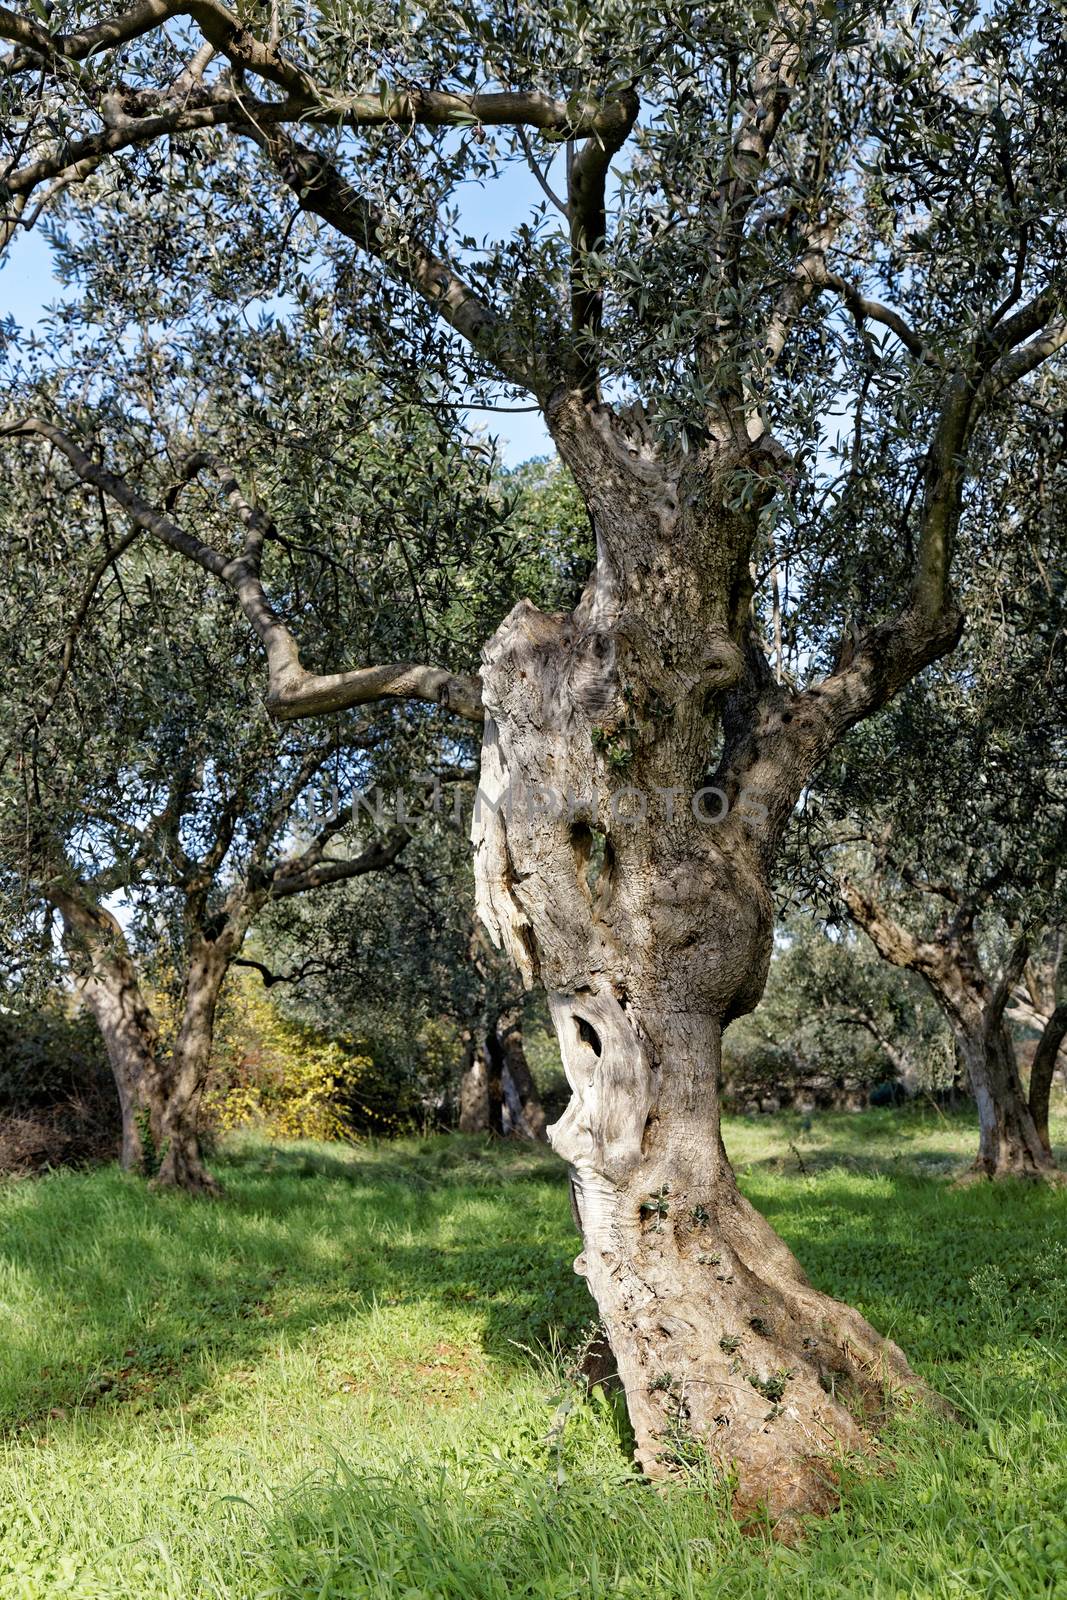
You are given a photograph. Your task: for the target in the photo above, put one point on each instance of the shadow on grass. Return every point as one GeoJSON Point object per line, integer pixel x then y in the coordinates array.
{"type": "Point", "coordinates": [439, 1161]}
{"type": "Point", "coordinates": [113, 1294]}
{"type": "Point", "coordinates": [932, 1162]}
{"type": "Point", "coordinates": [121, 1296]}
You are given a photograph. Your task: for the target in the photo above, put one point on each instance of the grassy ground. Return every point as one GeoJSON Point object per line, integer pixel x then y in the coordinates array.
{"type": "Point", "coordinates": [342, 1380]}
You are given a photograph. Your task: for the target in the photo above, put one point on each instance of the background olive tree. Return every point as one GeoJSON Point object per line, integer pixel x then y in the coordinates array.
{"type": "Point", "coordinates": [953, 804]}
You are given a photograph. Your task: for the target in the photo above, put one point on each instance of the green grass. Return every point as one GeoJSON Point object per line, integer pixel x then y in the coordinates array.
{"type": "Point", "coordinates": [343, 1380]}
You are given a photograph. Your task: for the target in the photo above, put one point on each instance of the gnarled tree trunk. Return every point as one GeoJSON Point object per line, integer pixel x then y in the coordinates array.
{"type": "Point", "coordinates": [158, 1096]}
{"type": "Point", "coordinates": [1009, 1141]}
{"type": "Point", "coordinates": [650, 925]}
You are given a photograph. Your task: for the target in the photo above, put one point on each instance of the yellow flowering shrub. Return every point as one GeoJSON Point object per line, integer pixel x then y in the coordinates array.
{"type": "Point", "coordinates": [283, 1076]}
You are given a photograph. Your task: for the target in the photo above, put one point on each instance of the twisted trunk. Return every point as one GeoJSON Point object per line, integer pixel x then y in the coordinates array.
{"type": "Point", "coordinates": [609, 879]}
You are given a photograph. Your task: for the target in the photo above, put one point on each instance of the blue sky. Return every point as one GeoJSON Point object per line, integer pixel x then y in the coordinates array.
{"type": "Point", "coordinates": [28, 287]}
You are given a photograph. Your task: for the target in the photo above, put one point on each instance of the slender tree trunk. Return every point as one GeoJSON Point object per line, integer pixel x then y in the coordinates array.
{"type": "Point", "coordinates": [530, 1119]}
{"type": "Point", "coordinates": [474, 1085]}
{"type": "Point", "coordinates": [1042, 1070]}
{"type": "Point", "coordinates": [181, 1163]}
{"type": "Point", "coordinates": [108, 983]}
{"type": "Point", "coordinates": [126, 1027]}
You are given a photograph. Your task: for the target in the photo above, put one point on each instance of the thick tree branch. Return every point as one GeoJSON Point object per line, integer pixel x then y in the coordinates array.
{"type": "Point", "coordinates": [795, 732]}
{"type": "Point", "coordinates": [921, 885]}
{"type": "Point", "coordinates": [322, 190]}
{"type": "Point", "coordinates": [890, 938]}
{"type": "Point", "coordinates": [136, 116]}
{"type": "Point", "coordinates": [71, 161]}
{"type": "Point", "coordinates": [587, 211]}
{"type": "Point", "coordinates": [1017, 364]}
{"type": "Point", "coordinates": [104, 35]}
{"type": "Point", "coordinates": [229, 35]}
{"type": "Point", "coordinates": [775, 77]}
{"type": "Point", "coordinates": [292, 690]}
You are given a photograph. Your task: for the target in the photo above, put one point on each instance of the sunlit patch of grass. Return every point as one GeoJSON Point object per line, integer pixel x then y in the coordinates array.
{"type": "Point", "coordinates": [342, 1381]}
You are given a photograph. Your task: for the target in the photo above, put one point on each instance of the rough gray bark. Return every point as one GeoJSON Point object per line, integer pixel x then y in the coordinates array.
{"type": "Point", "coordinates": [650, 932]}
{"type": "Point", "coordinates": [1009, 1140]}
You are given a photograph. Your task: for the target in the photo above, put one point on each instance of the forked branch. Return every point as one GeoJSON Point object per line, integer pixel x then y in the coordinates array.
{"type": "Point", "coordinates": [312, 870]}
{"type": "Point", "coordinates": [796, 732]}
{"type": "Point", "coordinates": [293, 691]}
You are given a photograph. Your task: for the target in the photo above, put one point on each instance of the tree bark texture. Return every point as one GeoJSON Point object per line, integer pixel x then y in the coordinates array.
{"type": "Point", "coordinates": [1009, 1141]}
{"type": "Point", "coordinates": [650, 925]}
{"type": "Point", "coordinates": [181, 1165]}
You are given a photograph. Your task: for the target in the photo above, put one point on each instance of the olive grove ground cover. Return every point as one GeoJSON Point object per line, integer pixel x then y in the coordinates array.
{"type": "Point", "coordinates": [348, 1378]}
